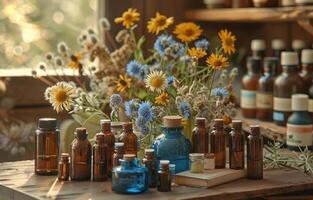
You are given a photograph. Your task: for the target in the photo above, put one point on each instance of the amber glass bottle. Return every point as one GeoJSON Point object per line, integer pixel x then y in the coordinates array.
{"type": "Point", "coordinates": [307, 67]}
{"type": "Point", "coordinates": [99, 159]}
{"type": "Point", "coordinates": [81, 156]}
{"type": "Point", "coordinates": [255, 154]}
{"type": "Point", "coordinates": [287, 83]}
{"type": "Point", "coordinates": [129, 139]}
{"type": "Point", "coordinates": [278, 46]}
{"type": "Point", "coordinates": [164, 177]}
{"type": "Point", "coordinates": [249, 87]}
{"type": "Point", "coordinates": [236, 146]}
{"type": "Point", "coordinates": [298, 46]}
{"type": "Point", "coordinates": [303, 2]}
{"type": "Point", "coordinates": [219, 148]}
{"type": "Point", "coordinates": [258, 48]}
{"type": "Point", "coordinates": [151, 165]}
{"type": "Point", "coordinates": [264, 96]}
{"type": "Point", "coordinates": [265, 3]}
{"type": "Point", "coordinates": [47, 147]}
{"type": "Point", "coordinates": [118, 153]}
{"type": "Point", "coordinates": [64, 167]}
{"type": "Point", "coordinates": [200, 137]}
{"type": "Point", "coordinates": [241, 3]}
{"type": "Point", "coordinates": [109, 141]}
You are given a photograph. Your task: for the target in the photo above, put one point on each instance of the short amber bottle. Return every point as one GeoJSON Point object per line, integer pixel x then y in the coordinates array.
{"type": "Point", "coordinates": [81, 156]}
{"type": "Point", "coordinates": [118, 153]}
{"type": "Point", "coordinates": [258, 48]}
{"type": "Point", "coordinates": [200, 137]}
{"type": "Point", "coordinates": [164, 177]}
{"type": "Point", "coordinates": [64, 167]}
{"type": "Point", "coordinates": [109, 141]}
{"type": "Point", "coordinates": [249, 87]}
{"type": "Point", "coordinates": [255, 154]}
{"type": "Point", "coordinates": [129, 139]}
{"type": "Point", "coordinates": [307, 67]}
{"type": "Point", "coordinates": [218, 144]}
{"type": "Point", "coordinates": [236, 146]}
{"type": "Point", "coordinates": [99, 159]}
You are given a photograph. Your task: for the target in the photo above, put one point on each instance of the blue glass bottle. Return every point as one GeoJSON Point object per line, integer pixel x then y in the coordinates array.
{"type": "Point", "coordinates": [172, 145]}
{"type": "Point", "coordinates": [129, 177]}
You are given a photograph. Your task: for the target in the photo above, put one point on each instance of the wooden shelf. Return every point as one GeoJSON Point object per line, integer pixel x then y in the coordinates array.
{"type": "Point", "coordinates": [250, 14]}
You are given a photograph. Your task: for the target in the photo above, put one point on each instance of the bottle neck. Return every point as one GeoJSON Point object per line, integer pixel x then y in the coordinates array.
{"type": "Point", "coordinates": [308, 68]}
{"type": "Point", "coordinates": [289, 69]}
{"type": "Point", "coordinates": [172, 132]}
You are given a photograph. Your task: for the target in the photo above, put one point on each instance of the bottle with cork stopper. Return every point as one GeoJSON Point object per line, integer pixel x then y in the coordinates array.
{"type": "Point", "coordinates": [64, 167]}
{"type": "Point", "coordinates": [108, 142]}
{"type": "Point", "coordinates": [307, 67]}
{"type": "Point", "coordinates": [99, 159]}
{"type": "Point", "coordinates": [129, 138]}
{"type": "Point", "coordinates": [299, 126]}
{"type": "Point", "coordinates": [151, 164]}
{"type": "Point", "coordinates": [236, 146]}
{"type": "Point", "coordinates": [219, 148]}
{"type": "Point", "coordinates": [258, 48]}
{"type": "Point", "coordinates": [164, 177]}
{"type": "Point", "coordinates": [200, 137]}
{"type": "Point", "coordinates": [118, 153]}
{"type": "Point", "coordinates": [287, 83]}
{"type": "Point", "coordinates": [255, 153]}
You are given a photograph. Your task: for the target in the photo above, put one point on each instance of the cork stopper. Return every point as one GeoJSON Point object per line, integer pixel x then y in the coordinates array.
{"type": "Point", "coordinates": [254, 63]}
{"type": "Point", "coordinates": [65, 156]}
{"type": "Point", "coordinates": [258, 45]}
{"type": "Point", "coordinates": [128, 126]}
{"type": "Point", "coordinates": [81, 133]}
{"type": "Point", "coordinates": [289, 58]}
{"type": "Point", "coordinates": [307, 56]}
{"type": "Point", "coordinates": [299, 102]}
{"type": "Point", "coordinates": [255, 130]}
{"type": "Point", "coordinates": [47, 123]}
{"type": "Point", "coordinates": [200, 121]}
{"type": "Point", "coordinates": [129, 157]}
{"type": "Point", "coordinates": [172, 121]}
{"type": "Point", "coordinates": [218, 123]}
{"type": "Point", "coordinates": [278, 44]}
{"type": "Point", "coordinates": [298, 44]}
{"type": "Point", "coordinates": [105, 125]}
{"type": "Point", "coordinates": [237, 125]}
{"type": "Point", "coordinates": [164, 164]}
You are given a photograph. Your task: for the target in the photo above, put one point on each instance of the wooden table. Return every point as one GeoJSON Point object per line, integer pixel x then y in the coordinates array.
{"type": "Point", "coordinates": [18, 182]}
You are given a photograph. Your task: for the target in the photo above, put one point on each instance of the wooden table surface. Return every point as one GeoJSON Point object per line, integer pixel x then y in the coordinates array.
{"type": "Point", "coordinates": [18, 182]}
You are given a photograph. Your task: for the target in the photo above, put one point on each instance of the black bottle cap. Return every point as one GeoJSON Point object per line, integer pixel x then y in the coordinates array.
{"type": "Point", "coordinates": [255, 130]}
{"type": "Point", "coordinates": [81, 133]}
{"type": "Point", "coordinates": [47, 123]}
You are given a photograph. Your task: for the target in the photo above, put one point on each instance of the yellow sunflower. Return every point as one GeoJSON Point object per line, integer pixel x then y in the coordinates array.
{"type": "Point", "coordinates": [196, 52]}
{"type": "Point", "coordinates": [216, 61]}
{"type": "Point", "coordinates": [187, 31]}
{"type": "Point", "coordinates": [162, 99]}
{"type": "Point", "coordinates": [128, 18]}
{"type": "Point", "coordinates": [159, 23]}
{"type": "Point", "coordinates": [123, 83]}
{"type": "Point", "coordinates": [75, 61]}
{"type": "Point", "coordinates": [156, 81]}
{"type": "Point", "coordinates": [228, 41]}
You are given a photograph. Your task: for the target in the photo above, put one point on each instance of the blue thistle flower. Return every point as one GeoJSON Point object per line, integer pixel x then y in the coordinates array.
{"type": "Point", "coordinates": [141, 121]}
{"type": "Point", "coordinates": [163, 42]}
{"type": "Point", "coordinates": [178, 50]}
{"type": "Point", "coordinates": [202, 44]}
{"type": "Point", "coordinates": [220, 91]}
{"type": "Point", "coordinates": [144, 130]}
{"type": "Point", "coordinates": [145, 110]}
{"type": "Point", "coordinates": [130, 107]}
{"type": "Point", "coordinates": [184, 109]}
{"type": "Point", "coordinates": [135, 69]}
{"type": "Point", "coordinates": [170, 80]}
{"type": "Point", "coordinates": [115, 100]}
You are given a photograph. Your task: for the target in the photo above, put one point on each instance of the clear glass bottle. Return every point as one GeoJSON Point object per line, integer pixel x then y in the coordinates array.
{"type": "Point", "coordinates": [47, 147]}
{"type": "Point", "coordinates": [307, 67]}
{"type": "Point", "coordinates": [64, 167]}
{"type": "Point", "coordinates": [151, 164]}
{"type": "Point", "coordinates": [99, 159]}
{"type": "Point", "coordinates": [129, 138]}
{"type": "Point", "coordinates": [299, 126]}
{"type": "Point", "coordinates": [108, 142]}
{"type": "Point", "coordinates": [164, 177]}
{"type": "Point", "coordinates": [118, 153]}
{"type": "Point", "coordinates": [219, 148]}
{"type": "Point", "coordinates": [255, 153]}
{"type": "Point", "coordinates": [200, 137]}
{"type": "Point", "coordinates": [196, 163]}
{"type": "Point", "coordinates": [258, 48]}
{"type": "Point", "coordinates": [129, 177]}
{"type": "Point", "coordinates": [236, 146]}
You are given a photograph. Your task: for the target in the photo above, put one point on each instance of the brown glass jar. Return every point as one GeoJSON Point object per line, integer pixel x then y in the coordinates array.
{"type": "Point", "coordinates": [118, 153]}
{"type": "Point", "coordinates": [64, 167]}
{"type": "Point", "coordinates": [109, 141]}
{"type": "Point", "coordinates": [258, 48]}
{"type": "Point", "coordinates": [47, 147]}
{"type": "Point", "coordinates": [200, 137]}
{"type": "Point", "coordinates": [99, 159]}
{"type": "Point", "coordinates": [164, 177]}
{"type": "Point", "coordinates": [218, 144]}
{"type": "Point", "coordinates": [151, 165]}
{"type": "Point", "coordinates": [287, 83]}
{"type": "Point", "coordinates": [307, 67]}
{"type": "Point", "coordinates": [236, 146]}
{"type": "Point", "coordinates": [129, 139]}
{"type": "Point", "coordinates": [81, 156]}
{"type": "Point", "coordinates": [250, 87]}
{"type": "Point", "coordinates": [255, 153]}
{"type": "Point", "coordinates": [264, 96]}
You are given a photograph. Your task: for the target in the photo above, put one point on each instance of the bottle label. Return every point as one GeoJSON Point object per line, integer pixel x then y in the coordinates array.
{"type": "Point", "coordinates": [278, 116]}
{"type": "Point", "coordinates": [282, 104]}
{"type": "Point", "coordinates": [248, 99]}
{"type": "Point", "coordinates": [299, 135]}
{"type": "Point", "coordinates": [310, 105]}
{"type": "Point", "coordinates": [264, 100]}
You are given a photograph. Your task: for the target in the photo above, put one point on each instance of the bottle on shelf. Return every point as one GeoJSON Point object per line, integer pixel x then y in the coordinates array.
{"type": "Point", "coordinates": [164, 177]}
{"type": "Point", "coordinates": [64, 167]}
{"type": "Point", "coordinates": [99, 159]}
{"type": "Point", "coordinates": [265, 3]}
{"type": "Point", "coordinates": [287, 83]}
{"type": "Point", "coordinates": [299, 126]}
{"type": "Point", "coordinates": [250, 86]}
{"type": "Point", "coordinates": [278, 46]}
{"type": "Point", "coordinates": [47, 147]}
{"type": "Point", "coordinates": [118, 153]}
{"type": "Point", "coordinates": [129, 138]}
{"type": "Point", "coordinates": [236, 146]}
{"type": "Point", "coordinates": [218, 144]}
{"type": "Point", "coordinates": [200, 137]}
{"type": "Point", "coordinates": [307, 67]}
{"type": "Point", "coordinates": [241, 3]}
{"type": "Point", "coordinates": [151, 164]}
{"type": "Point", "coordinates": [264, 96]}
{"type": "Point", "coordinates": [297, 46]}
{"type": "Point", "coordinates": [303, 2]}
{"type": "Point", "coordinates": [214, 3]}
{"type": "Point", "coordinates": [108, 142]}
{"type": "Point", "coordinates": [287, 3]}
{"type": "Point", "coordinates": [255, 153]}
{"type": "Point", "coordinates": [258, 48]}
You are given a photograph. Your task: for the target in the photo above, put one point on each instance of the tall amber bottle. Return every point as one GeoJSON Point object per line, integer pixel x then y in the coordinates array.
{"type": "Point", "coordinates": [129, 139]}
{"type": "Point", "coordinates": [109, 141]}
{"type": "Point", "coordinates": [99, 159]}
{"type": "Point", "coordinates": [278, 46]}
{"type": "Point", "coordinates": [200, 137]}
{"type": "Point", "coordinates": [255, 154]}
{"type": "Point", "coordinates": [287, 83]}
{"type": "Point", "coordinates": [47, 147]}
{"type": "Point", "coordinates": [307, 67]}
{"type": "Point", "coordinates": [297, 46]}
{"type": "Point", "coordinates": [219, 148]}
{"type": "Point", "coordinates": [236, 146]}
{"type": "Point", "coordinates": [81, 156]}
{"type": "Point", "coordinates": [249, 87]}
{"type": "Point", "coordinates": [258, 48]}
{"type": "Point", "coordinates": [264, 96]}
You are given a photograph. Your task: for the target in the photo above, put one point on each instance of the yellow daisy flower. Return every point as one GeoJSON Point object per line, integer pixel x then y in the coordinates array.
{"type": "Point", "coordinates": [123, 83]}
{"type": "Point", "coordinates": [228, 41]}
{"type": "Point", "coordinates": [75, 61]}
{"type": "Point", "coordinates": [128, 18]}
{"type": "Point", "coordinates": [162, 99]}
{"type": "Point", "coordinates": [159, 23]}
{"type": "Point", "coordinates": [156, 81]}
{"type": "Point", "coordinates": [217, 62]}
{"type": "Point", "coordinates": [187, 31]}
{"type": "Point", "coordinates": [196, 53]}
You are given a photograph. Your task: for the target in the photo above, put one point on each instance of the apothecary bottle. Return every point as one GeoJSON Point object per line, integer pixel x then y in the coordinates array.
{"type": "Point", "coordinates": [255, 153]}
{"type": "Point", "coordinates": [299, 126]}
{"type": "Point", "coordinates": [118, 153]}
{"type": "Point", "coordinates": [265, 3]}
{"type": "Point", "coordinates": [287, 3]}
{"type": "Point", "coordinates": [151, 164]}
{"type": "Point", "coordinates": [164, 177]}
{"type": "Point", "coordinates": [236, 146]}
{"type": "Point", "coordinates": [129, 177]}
{"type": "Point", "coordinates": [303, 2]}
{"type": "Point", "coordinates": [287, 83]}
{"type": "Point", "coordinates": [307, 67]}
{"type": "Point", "coordinates": [219, 148]}
{"type": "Point", "coordinates": [47, 147]}
{"type": "Point", "coordinates": [249, 87]}
{"type": "Point", "coordinates": [129, 138]}
{"type": "Point", "coordinates": [258, 48]}
{"type": "Point", "coordinates": [172, 145]}
{"type": "Point", "coordinates": [297, 46]}
{"type": "Point", "coordinates": [278, 46]}
{"type": "Point", "coordinates": [200, 137]}
{"type": "Point", "coordinates": [108, 142]}
{"type": "Point", "coordinates": [81, 156]}
{"type": "Point", "coordinates": [264, 96]}
{"type": "Point", "coordinates": [64, 167]}
{"type": "Point", "coordinates": [241, 3]}
{"type": "Point", "coordinates": [99, 159]}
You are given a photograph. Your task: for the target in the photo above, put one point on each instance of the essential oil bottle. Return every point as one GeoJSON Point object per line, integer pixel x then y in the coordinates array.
{"type": "Point", "coordinates": [297, 46]}
{"type": "Point", "coordinates": [219, 148]}
{"type": "Point", "coordinates": [255, 153]}
{"type": "Point", "coordinates": [118, 153]}
{"type": "Point", "coordinates": [64, 167]}
{"type": "Point", "coordinates": [164, 177]}
{"type": "Point", "coordinates": [236, 146]}
{"type": "Point", "coordinates": [99, 159]}
{"type": "Point", "coordinates": [108, 142]}
{"type": "Point", "coordinates": [200, 137]}
{"type": "Point", "coordinates": [278, 46]}
{"type": "Point", "coordinates": [129, 138]}
{"type": "Point", "coordinates": [258, 48]}
{"type": "Point", "coordinates": [151, 164]}
{"type": "Point", "coordinates": [307, 67]}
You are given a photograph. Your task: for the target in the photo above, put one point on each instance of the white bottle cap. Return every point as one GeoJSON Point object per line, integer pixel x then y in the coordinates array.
{"type": "Point", "coordinates": [278, 44]}
{"type": "Point", "coordinates": [164, 162]}
{"type": "Point", "coordinates": [298, 44]}
{"type": "Point", "coordinates": [258, 45]}
{"type": "Point", "coordinates": [307, 56]}
{"type": "Point", "coordinates": [300, 102]}
{"type": "Point", "coordinates": [289, 58]}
